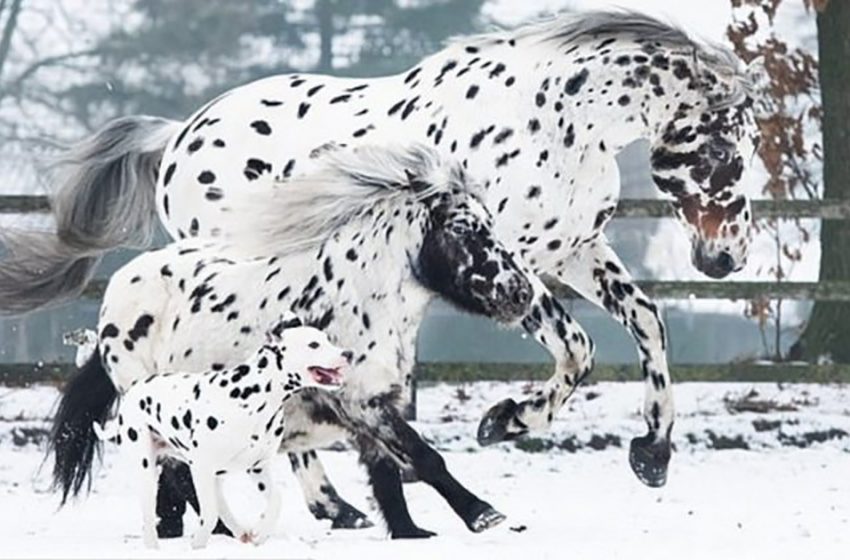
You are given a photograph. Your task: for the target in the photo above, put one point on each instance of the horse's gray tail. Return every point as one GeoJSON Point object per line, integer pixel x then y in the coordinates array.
{"type": "Point", "coordinates": [104, 200]}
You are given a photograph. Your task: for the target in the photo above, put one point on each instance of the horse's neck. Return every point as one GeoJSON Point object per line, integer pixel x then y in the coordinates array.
{"type": "Point", "coordinates": [582, 94]}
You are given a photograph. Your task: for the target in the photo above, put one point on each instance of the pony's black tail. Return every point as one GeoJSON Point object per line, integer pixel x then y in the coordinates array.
{"type": "Point", "coordinates": [87, 398]}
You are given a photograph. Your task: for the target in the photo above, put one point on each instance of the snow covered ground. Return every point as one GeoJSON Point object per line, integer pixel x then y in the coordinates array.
{"type": "Point", "coordinates": [761, 471]}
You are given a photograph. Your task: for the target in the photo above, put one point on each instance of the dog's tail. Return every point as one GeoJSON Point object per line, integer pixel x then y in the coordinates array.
{"type": "Point", "coordinates": [88, 396]}
{"type": "Point", "coordinates": [105, 432]}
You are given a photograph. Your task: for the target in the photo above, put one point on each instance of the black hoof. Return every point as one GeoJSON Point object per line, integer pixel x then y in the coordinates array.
{"type": "Point", "coordinates": [494, 426]}
{"type": "Point", "coordinates": [221, 529]}
{"type": "Point", "coordinates": [485, 519]}
{"type": "Point", "coordinates": [349, 517]}
{"type": "Point", "coordinates": [649, 460]}
{"type": "Point", "coordinates": [412, 533]}
{"type": "Point", "coordinates": [170, 528]}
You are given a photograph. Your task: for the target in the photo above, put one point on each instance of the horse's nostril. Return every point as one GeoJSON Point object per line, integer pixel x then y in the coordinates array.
{"type": "Point", "coordinates": [348, 355]}
{"type": "Point", "coordinates": [725, 262]}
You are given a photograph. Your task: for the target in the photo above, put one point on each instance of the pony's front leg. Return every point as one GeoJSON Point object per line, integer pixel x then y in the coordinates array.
{"type": "Point", "coordinates": [572, 350]}
{"type": "Point", "coordinates": [305, 411]}
{"type": "Point", "coordinates": [323, 501]}
{"type": "Point", "coordinates": [598, 274]}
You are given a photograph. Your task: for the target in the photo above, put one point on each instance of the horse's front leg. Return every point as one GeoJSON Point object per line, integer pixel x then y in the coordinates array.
{"type": "Point", "coordinates": [572, 351]}
{"type": "Point", "coordinates": [598, 274]}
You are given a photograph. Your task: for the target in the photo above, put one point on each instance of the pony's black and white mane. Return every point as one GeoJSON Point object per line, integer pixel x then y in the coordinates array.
{"type": "Point", "coordinates": [571, 29]}
{"type": "Point", "coordinates": [348, 185]}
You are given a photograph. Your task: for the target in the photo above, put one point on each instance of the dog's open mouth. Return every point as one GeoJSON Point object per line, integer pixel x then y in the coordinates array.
{"type": "Point", "coordinates": [326, 376]}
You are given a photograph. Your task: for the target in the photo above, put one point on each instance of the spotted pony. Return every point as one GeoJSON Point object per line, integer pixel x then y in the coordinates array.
{"type": "Point", "coordinates": [536, 115]}
{"type": "Point", "coordinates": [200, 305]}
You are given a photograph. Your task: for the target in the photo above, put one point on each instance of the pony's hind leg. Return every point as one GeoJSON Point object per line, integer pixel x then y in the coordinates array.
{"type": "Point", "coordinates": [174, 492]}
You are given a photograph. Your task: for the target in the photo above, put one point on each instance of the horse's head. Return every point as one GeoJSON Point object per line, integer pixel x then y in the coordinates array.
{"type": "Point", "coordinates": [463, 261]}
{"type": "Point", "coordinates": [700, 157]}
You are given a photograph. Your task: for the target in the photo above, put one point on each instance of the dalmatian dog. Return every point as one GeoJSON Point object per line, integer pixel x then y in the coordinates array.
{"type": "Point", "coordinates": [222, 421]}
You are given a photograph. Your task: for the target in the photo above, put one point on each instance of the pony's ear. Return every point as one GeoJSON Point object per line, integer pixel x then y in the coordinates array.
{"type": "Point", "coordinates": [415, 183]}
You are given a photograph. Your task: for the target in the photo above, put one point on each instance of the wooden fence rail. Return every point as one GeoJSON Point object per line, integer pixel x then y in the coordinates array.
{"type": "Point", "coordinates": [21, 373]}
{"type": "Point", "coordinates": [627, 208]}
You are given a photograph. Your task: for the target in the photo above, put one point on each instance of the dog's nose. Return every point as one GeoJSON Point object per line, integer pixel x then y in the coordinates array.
{"type": "Point", "coordinates": [348, 355]}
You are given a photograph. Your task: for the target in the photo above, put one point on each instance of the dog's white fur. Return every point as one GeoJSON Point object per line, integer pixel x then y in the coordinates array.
{"type": "Point", "coordinates": [220, 421]}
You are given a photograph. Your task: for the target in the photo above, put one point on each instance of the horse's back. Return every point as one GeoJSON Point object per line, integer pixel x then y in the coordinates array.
{"type": "Point", "coordinates": [245, 143]}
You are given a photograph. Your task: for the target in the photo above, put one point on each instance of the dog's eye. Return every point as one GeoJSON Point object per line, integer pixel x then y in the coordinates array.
{"type": "Point", "coordinates": [313, 345]}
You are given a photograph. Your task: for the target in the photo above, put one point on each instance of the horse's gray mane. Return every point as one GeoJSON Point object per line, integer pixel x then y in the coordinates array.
{"type": "Point", "coordinates": [308, 209]}
{"type": "Point", "coordinates": [574, 27]}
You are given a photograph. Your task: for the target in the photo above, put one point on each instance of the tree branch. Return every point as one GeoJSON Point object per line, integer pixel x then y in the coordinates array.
{"type": "Point", "coordinates": [8, 31]}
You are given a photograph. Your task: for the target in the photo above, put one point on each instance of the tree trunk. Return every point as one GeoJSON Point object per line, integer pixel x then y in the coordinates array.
{"type": "Point", "coordinates": [827, 333]}
{"type": "Point", "coordinates": [324, 15]}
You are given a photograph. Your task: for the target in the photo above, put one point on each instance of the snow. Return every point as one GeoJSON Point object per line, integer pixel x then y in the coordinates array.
{"type": "Point", "coordinates": [774, 500]}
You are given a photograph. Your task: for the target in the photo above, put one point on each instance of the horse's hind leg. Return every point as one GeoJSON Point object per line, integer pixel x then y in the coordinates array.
{"type": "Point", "coordinates": [322, 498]}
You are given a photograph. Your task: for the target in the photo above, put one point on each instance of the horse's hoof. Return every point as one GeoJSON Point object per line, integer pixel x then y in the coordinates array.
{"type": "Point", "coordinates": [494, 426]}
{"type": "Point", "coordinates": [487, 519]}
{"type": "Point", "coordinates": [349, 517]}
{"type": "Point", "coordinates": [413, 533]}
{"type": "Point", "coordinates": [649, 460]}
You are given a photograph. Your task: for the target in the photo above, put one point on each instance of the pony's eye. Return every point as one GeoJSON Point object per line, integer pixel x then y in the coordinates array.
{"type": "Point", "coordinates": [720, 154]}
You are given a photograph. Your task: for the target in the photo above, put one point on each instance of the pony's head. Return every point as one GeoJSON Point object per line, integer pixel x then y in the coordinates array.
{"type": "Point", "coordinates": [700, 157]}
{"type": "Point", "coordinates": [462, 260]}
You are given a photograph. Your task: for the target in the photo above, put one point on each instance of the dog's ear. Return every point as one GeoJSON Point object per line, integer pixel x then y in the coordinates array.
{"type": "Point", "coordinates": [287, 321]}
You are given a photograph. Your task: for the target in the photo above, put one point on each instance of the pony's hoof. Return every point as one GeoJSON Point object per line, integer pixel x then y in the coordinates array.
{"type": "Point", "coordinates": [222, 529]}
{"type": "Point", "coordinates": [170, 528]}
{"type": "Point", "coordinates": [349, 517]}
{"type": "Point", "coordinates": [413, 533]}
{"type": "Point", "coordinates": [487, 519]}
{"type": "Point", "coordinates": [649, 460]}
{"type": "Point", "coordinates": [494, 426]}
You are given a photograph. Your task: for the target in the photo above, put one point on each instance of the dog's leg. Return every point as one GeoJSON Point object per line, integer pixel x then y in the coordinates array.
{"type": "Point", "coordinates": [205, 487]}
{"type": "Point", "coordinates": [268, 518]}
{"type": "Point", "coordinates": [227, 517]}
{"type": "Point", "coordinates": [141, 453]}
